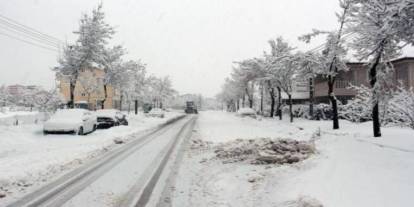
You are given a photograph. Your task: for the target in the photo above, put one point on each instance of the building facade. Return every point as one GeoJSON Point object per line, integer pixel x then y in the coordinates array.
{"type": "Point", "coordinates": [89, 89]}
{"type": "Point", "coordinates": [358, 75]}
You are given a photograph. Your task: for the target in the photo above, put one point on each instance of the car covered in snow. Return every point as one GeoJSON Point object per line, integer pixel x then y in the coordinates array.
{"type": "Point", "coordinates": [78, 121]}
{"type": "Point", "coordinates": [110, 117]}
{"type": "Point", "coordinates": [156, 112]}
{"type": "Point", "coordinates": [246, 112]}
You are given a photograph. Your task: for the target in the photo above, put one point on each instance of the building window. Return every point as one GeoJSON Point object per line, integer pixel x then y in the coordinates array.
{"type": "Point", "coordinates": [343, 83]}
{"type": "Point", "coordinates": [401, 75]}
{"type": "Point", "coordinates": [83, 94]}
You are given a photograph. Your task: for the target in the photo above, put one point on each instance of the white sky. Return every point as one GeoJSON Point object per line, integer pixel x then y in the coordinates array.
{"type": "Point", "coordinates": [192, 41]}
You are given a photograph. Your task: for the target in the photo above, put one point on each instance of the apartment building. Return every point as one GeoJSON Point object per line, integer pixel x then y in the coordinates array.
{"type": "Point", "coordinates": [89, 89]}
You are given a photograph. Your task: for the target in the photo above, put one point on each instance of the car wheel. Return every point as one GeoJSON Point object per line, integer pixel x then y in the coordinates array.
{"type": "Point", "coordinates": [45, 132]}
{"type": "Point", "coordinates": [80, 131]}
{"type": "Point", "coordinates": [94, 127]}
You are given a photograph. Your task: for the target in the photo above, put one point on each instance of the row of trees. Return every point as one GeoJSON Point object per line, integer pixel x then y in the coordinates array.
{"type": "Point", "coordinates": [31, 99]}
{"type": "Point", "coordinates": [379, 30]}
{"type": "Point", "coordinates": [92, 50]}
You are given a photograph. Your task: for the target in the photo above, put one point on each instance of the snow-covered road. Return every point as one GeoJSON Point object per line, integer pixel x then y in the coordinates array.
{"type": "Point", "coordinates": [350, 168]}
{"type": "Point", "coordinates": [28, 159]}
{"type": "Point", "coordinates": [125, 176]}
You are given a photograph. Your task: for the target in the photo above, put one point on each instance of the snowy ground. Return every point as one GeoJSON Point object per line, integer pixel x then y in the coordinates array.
{"type": "Point", "coordinates": [28, 158]}
{"type": "Point", "coordinates": [350, 169]}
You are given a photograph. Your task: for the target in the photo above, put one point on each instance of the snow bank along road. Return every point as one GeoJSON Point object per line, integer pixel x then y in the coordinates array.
{"type": "Point", "coordinates": [131, 175]}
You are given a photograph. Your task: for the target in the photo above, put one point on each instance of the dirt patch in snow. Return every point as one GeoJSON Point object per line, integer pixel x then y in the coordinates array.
{"type": "Point", "coordinates": [265, 151]}
{"type": "Point", "coordinates": [303, 201]}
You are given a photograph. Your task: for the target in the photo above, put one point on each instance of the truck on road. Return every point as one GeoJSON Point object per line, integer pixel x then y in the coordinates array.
{"type": "Point", "coordinates": [190, 108]}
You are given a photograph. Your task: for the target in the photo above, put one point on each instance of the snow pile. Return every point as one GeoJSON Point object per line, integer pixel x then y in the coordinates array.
{"type": "Point", "coordinates": [265, 151]}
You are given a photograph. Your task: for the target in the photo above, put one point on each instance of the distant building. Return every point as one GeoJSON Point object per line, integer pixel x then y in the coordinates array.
{"type": "Point", "coordinates": [358, 75]}
{"type": "Point", "coordinates": [17, 90]}
{"type": "Point", "coordinates": [89, 89]}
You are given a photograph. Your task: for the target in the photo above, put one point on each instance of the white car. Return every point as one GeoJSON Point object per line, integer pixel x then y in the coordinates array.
{"type": "Point", "coordinates": [79, 121]}
{"type": "Point", "coordinates": [243, 112]}
{"type": "Point", "coordinates": [156, 112]}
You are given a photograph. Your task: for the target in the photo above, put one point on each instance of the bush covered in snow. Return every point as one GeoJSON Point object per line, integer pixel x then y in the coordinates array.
{"type": "Point", "coordinates": [265, 151]}
{"type": "Point", "coordinates": [401, 108]}
{"type": "Point", "coordinates": [359, 108]}
{"type": "Point", "coordinates": [321, 111]}
{"type": "Point", "coordinates": [301, 111]}
{"type": "Point", "coordinates": [398, 109]}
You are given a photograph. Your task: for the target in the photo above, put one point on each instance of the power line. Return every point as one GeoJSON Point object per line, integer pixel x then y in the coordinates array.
{"type": "Point", "coordinates": [29, 36]}
{"type": "Point", "coordinates": [28, 42]}
{"type": "Point", "coordinates": [28, 29]}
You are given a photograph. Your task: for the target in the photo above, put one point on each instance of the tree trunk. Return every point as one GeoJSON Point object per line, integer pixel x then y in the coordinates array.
{"type": "Point", "coordinates": [249, 98]}
{"type": "Point", "coordinates": [375, 109]}
{"type": "Point", "coordinates": [290, 107]}
{"type": "Point", "coordinates": [376, 121]}
{"type": "Point", "coordinates": [332, 99]}
{"type": "Point", "coordinates": [311, 97]}
{"type": "Point", "coordinates": [272, 101]}
{"type": "Point", "coordinates": [105, 97]}
{"type": "Point", "coordinates": [261, 100]}
{"type": "Point", "coordinates": [136, 107]}
{"type": "Point", "coordinates": [279, 103]}
{"type": "Point", "coordinates": [120, 103]}
{"type": "Point", "coordinates": [244, 97]}
{"type": "Point", "coordinates": [71, 102]}
{"type": "Point", "coordinates": [129, 106]}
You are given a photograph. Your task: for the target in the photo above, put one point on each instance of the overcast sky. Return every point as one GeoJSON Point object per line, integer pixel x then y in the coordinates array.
{"type": "Point", "coordinates": [192, 41]}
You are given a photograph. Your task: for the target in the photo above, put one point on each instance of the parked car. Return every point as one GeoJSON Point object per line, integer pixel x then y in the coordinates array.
{"type": "Point", "coordinates": [147, 107]}
{"type": "Point", "coordinates": [156, 112]}
{"type": "Point", "coordinates": [110, 117]}
{"type": "Point", "coordinates": [243, 112]}
{"type": "Point", "coordinates": [78, 121]}
{"type": "Point", "coordinates": [82, 105]}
